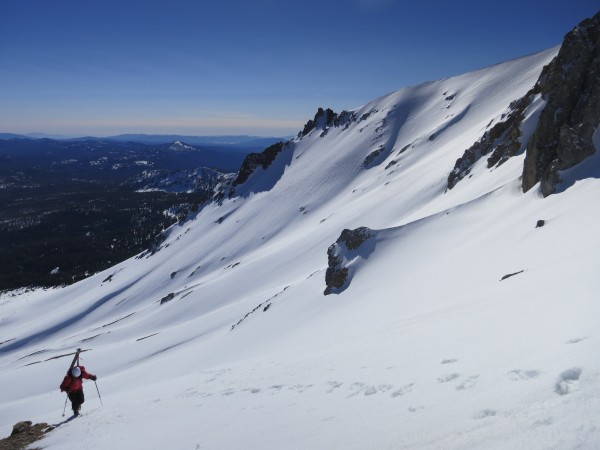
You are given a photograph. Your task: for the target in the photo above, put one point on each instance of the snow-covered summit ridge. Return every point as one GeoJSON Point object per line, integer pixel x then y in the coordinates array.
{"type": "Point", "coordinates": [226, 321]}
{"type": "Point", "coordinates": [178, 146]}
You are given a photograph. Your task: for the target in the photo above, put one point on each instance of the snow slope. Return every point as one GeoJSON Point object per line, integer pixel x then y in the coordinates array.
{"type": "Point", "coordinates": [223, 338]}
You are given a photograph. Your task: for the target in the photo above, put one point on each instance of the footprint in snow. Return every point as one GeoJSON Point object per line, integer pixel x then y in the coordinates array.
{"type": "Point", "coordinates": [522, 375]}
{"type": "Point", "coordinates": [468, 383]}
{"type": "Point", "coordinates": [568, 381]}
{"type": "Point", "coordinates": [449, 361]}
{"type": "Point", "coordinates": [448, 377]}
{"type": "Point", "coordinates": [415, 408]}
{"type": "Point", "coordinates": [252, 390]}
{"type": "Point", "coordinates": [403, 390]}
{"type": "Point", "coordinates": [543, 423]}
{"type": "Point", "coordinates": [484, 413]}
{"type": "Point", "coordinates": [357, 388]}
{"type": "Point", "coordinates": [367, 390]}
{"type": "Point", "coordinates": [300, 387]}
{"type": "Point", "coordinates": [333, 385]}
{"type": "Point", "coordinates": [227, 392]}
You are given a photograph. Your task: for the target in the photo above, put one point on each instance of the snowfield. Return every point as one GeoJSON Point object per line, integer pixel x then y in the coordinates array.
{"type": "Point", "coordinates": [223, 339]}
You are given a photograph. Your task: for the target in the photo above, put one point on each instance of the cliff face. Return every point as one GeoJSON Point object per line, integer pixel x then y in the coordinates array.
{"type": "Point", "coordinates": [571, 87]}
{"type": "Point", "coordinates": [563, 137]}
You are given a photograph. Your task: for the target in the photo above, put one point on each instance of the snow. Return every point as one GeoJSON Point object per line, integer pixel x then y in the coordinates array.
{"type": "Point", "coordinates": [178, 146]}
{"type": "Point", "coordinates": [427, 347]}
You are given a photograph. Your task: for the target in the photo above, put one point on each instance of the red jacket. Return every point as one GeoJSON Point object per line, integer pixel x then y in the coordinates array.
{"type": "Point", "coordinates": [71, 384]}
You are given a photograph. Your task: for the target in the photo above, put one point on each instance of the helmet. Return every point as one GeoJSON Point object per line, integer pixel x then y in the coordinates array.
{"type": "Point", "coordinates": [76, 372]}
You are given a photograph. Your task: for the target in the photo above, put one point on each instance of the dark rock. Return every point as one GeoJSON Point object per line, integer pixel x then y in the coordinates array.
{"type": "Point", "coordinates": [255, 160]}
{"type": "Point", "coordinates": [336, 275]}
{"type": "Point", "coordinates": [167, 298]}
{"type": "Point", "coordinates": [371, 157]}
{"type": "Point", "coordinates": [540, 223]}
{"type": "Point", "coordinates": [23, 435]}
{"type": "Point", "coordinates": [326, 118]}
{"type": "Point", "coordinates": [354, 238]}
{"type": "Point", "coordinates": [21, 427]}
{"type": "Point", "coordinates": [393, 162]}
{"type": "Point", "coordinates": [323, 119]}
{"type": "Point", "coordinates": [502, 140]}
{"type": "Point", "coordinates": [570, 84]}
{"type": "Point", "coordinates": [511, 275]}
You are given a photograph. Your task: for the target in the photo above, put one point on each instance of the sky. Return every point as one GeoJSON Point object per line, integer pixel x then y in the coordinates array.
{"type": "Point", "coordinates": [259, 67]}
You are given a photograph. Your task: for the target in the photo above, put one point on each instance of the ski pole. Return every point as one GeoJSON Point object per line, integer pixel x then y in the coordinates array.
{"type": "Point", "coordinates": [97, 390]}
{"type": "Point", "coordinates": [65, 408]}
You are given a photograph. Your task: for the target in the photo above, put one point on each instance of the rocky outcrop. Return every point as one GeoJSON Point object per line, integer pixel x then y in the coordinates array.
{"type": "Point", "coordinates": [255, 160]}
{"type": "Point", "coordinates": [570, 84]}
{"type": "Point", "coordinates": [339, 255]}
{"type": "Point", "coordinates": [23, 434]}
{"type": "Point", "coordinates": [323, 119]}
{"type": "Point", "coordinates": [252, 162]}
{"type": "Point", "coordinates": [326, 118]}
{"type": "Point", "coordinates": [502, 141]}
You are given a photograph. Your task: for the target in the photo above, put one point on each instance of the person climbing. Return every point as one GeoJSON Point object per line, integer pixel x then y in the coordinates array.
{"type": "Point", "coordinates": [73, 385]}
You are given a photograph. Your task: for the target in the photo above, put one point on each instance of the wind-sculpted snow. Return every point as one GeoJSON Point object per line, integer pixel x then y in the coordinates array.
{"type": "Point", "coordinates": [423, 346]}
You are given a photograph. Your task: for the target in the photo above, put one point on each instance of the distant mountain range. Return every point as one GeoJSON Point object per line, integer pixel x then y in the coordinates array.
{"type": "Point", "coordinates": [251, 143]}
{"type": "Point", "coordinates": [112, 158]}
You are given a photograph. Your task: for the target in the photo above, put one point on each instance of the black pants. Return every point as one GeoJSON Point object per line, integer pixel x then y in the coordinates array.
{"type": "Point", "coordinates": [77, 399]}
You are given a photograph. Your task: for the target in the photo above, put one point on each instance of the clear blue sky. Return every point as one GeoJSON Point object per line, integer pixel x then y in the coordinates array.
{"type": "Point", "coordinates": [261, 67]}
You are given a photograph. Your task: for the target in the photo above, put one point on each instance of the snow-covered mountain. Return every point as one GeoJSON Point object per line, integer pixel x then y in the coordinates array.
{"type": "Point", "coordinates": [460, 316]}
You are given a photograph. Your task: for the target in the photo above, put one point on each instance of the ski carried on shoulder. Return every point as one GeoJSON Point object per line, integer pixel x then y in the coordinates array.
{"type": "Point", "coordinates": [75, 360]}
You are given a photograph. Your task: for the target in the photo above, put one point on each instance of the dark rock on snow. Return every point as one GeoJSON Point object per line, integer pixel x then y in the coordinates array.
{"type": "Point", "coordinates": [571, 86]}
{"type": "Point", "coordinates": [255, 160]}
{"type": "Point", "coordinates": [167, 298]}
{"type": "Point", "coordinates": [24, 434]}
{"type": "Point", "coordinates": [326, 118]}
{"type": "Point", "coordinates": [336, 275]}
{"type": "Point", "coordinates": [511, 275]}
{"type": "Point", "coordinates": [502, 140]}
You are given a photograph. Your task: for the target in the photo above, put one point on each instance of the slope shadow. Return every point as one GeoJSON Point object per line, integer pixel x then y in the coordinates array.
{"type": "Point", "coordinates": [53, 329]}
{"type": "Point", "coordinates": [67, 420]}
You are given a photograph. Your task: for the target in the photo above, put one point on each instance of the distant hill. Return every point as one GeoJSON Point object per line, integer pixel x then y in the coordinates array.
{"type": "Point", "coordinates": [112, 159]}
{"type": "Point", "coordinates": [242, 143]}
{"type": "Point", "coordinates": [227, 140]}
{"type": "Point", "coordinates": [5, 136]}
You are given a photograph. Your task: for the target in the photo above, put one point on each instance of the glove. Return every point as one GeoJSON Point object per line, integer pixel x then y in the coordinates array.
{"type": "Point", "coordinates": [93, 378]}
